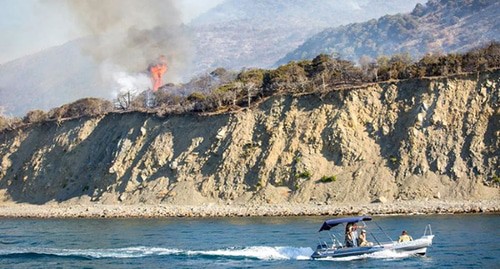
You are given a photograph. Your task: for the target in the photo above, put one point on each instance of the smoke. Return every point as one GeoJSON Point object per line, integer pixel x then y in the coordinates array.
{"type": "Point", "coordinates": [124, 82]}
{"type": "Point", "coordinates": [131, 34]}
{"type": "Point", "coordinates": [130, 82]}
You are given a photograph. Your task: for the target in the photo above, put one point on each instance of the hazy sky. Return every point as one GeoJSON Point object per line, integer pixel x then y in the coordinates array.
{"type": "Point", "coordinates": [29, 26]}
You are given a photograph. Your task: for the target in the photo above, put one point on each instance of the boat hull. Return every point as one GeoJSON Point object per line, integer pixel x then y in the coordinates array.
{"type": "Point", "coordinates": [415, 247]}
{"type": "Point", "coordinates": [418, 246]}
{"type": "Point", "coordinates": [344, 252]}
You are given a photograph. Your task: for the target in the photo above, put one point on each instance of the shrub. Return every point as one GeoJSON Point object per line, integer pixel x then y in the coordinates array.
{"type": "Point", "coordinates": [319, 64]}
{"type": "Point", "coordinates": [82, 107]}
{"type": "Point", "coordinates": [230, 87]}
{"type": "Point", "coordinates": [196, 97]}
{"type": "Point", "coordinates": [287, 77]}
{"type": "Point", "coordinates": [35, 116]}
{"type": "Point", "coordinates": [165, 98]}
{"type": "Point", "coordinates": [139, 102]}
{"type": "Point", "coordinates": [222, 75]}
{"type": "Point", "coordinates": [326, 179]}
{"type": "Point", "coordinates": [3, 123]}
{"type": "Point", "coordinates": [393, 159]}
{"type": "Point", "coordinates": [399, 64]}
{"type": "Point", "coordinates": [306, 175]}
{"type": "Point", "coordinates": [252, 76]}
{"type": "Point", "coordinates": [9, 123]}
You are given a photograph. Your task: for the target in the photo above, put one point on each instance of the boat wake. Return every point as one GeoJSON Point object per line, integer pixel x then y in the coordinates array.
{"type": "Point", "coordinates": [254, 252]}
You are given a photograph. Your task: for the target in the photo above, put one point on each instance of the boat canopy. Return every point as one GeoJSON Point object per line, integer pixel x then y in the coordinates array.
{"type": "Point", "coordinates": [327, 225]}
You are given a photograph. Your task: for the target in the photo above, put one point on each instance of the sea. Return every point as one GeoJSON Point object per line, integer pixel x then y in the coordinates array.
{"type": "Point", "coordinates": [461, 241]}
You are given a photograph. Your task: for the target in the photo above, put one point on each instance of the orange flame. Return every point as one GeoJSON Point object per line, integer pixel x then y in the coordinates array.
{"type": "Point", "coordinates": [157, 70]}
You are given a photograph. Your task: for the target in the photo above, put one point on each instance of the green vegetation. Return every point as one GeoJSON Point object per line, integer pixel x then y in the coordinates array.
{"type": "Point", "coordinates": [222, 90]}
{"type": "Point", "coordinates": [252, 76]}
{"type": "Point", "coordinates": [393, 159]}
{"type": "Point", "coordinates": [323, 73]}
{"type": "Point", "coordinates": [326, 179]}
{"type": "Point", "coordinates": [304, 175]}
{"type": "Point", "coordinates": [496, 179]}
{"type": "Point", "coordinates": [197, 97]}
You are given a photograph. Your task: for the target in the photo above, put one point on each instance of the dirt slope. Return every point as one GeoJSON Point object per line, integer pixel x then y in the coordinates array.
{"type": "Point", "coordinates": [406, 140]}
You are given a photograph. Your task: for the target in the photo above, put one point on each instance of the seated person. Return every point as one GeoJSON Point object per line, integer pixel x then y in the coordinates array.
{"type": "Point", "coordinates": [405, 237]}
{"type": "Point", "coordinates": [362, 242]}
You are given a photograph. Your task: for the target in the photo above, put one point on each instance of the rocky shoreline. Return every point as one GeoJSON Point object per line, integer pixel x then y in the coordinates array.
{"type": "Point", "coordinates": [214, 210]}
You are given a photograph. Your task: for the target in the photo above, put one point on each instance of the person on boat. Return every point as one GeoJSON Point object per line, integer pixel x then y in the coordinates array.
{"type": "Point", "coordinates": [362, 242]}
{"type": "Point", "coordinates": [405, 237]}
{"type": "Point", "coordinates": [349, 235]}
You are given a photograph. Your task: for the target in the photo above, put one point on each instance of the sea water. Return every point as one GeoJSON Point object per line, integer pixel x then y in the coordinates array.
{"type": "Point", "coordinates": [461, 241]}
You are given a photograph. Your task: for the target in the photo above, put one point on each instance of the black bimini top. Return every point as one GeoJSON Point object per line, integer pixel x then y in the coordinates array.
{"type": "Point", "coordinates": [327, 225]}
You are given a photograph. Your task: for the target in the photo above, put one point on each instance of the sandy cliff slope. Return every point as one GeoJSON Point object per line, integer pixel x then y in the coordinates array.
{"type": "Point", "coordinates": [425, 139]}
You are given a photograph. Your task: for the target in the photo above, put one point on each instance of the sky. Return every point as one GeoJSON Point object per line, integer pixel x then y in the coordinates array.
{"type": "Point", "coordinates": [30, 26]}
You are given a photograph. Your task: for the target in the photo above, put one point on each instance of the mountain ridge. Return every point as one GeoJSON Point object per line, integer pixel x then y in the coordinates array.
{"type": "Point", "coordinates": [438, 27]}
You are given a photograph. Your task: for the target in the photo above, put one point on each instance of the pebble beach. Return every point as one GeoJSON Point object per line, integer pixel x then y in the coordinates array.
{"type": "Point", "coordinates": [215, 210]}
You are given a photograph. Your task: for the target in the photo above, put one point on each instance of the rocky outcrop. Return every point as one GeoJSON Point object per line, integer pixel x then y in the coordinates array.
{"type": "Point", "coordinates": [427, 139]}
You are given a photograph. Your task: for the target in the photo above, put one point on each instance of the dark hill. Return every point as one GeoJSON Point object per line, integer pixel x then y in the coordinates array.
{"type": "Point", "coordinates": [438, 26]}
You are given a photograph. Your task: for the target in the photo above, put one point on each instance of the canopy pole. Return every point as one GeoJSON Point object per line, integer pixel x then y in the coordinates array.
{"type": "Point", "coordinates": [383, 231]}
{"type": "Point", "coordinates": [378, 242]}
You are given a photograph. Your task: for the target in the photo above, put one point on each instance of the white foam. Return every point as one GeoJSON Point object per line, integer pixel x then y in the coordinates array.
{"type": "Point", "coordinates": [256, 252]}
{"type": "Point", "coordinates": [129, 252]}
{"type": "Point", "coordinates": [390, 254]}
{"type": "Point", "coordinates": [260, 252]}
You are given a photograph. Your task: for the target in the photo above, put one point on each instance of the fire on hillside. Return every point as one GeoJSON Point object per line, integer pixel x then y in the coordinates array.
{"type": "Point", "coordinates": [157, 69]}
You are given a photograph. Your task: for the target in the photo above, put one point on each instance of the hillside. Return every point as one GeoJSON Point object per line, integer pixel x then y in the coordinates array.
{"type": "Point", "coordinates": [299, 12]}
{"type": "Point", "coordinates": [233, 35]}
{"type": "Point", "coordinates": [438, 26]}
{"type": "Point", "coordinates": [251, 33]}
{"type": "Point", "coordinates": [410, 140]}
{"type": "Point", "coordinates": [50, 78]}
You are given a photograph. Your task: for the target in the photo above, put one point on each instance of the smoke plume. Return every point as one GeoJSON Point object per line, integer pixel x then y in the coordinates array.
{"type": "Point", "coordinates": [131, 34]}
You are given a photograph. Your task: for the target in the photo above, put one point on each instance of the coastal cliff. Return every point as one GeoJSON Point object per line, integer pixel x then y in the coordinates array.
{"type": "Point", "coordinates": [418, 139]}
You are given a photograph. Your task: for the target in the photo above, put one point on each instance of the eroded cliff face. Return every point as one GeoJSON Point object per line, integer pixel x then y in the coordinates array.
{"type": "Point", "coordinates": [415, 139]}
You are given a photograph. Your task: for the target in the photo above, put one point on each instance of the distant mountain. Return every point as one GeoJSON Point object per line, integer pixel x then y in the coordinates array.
{"type": "Point", "coordinates": [257, 33]}
{"type": "Point", "coordinates": [438, 26]}
{"type": "Point", "coordinates": [48, 79]}
{"type": "Point", "coordinates": [233, 35]}
{"type": "Point", "coordinates": [302, 13]}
